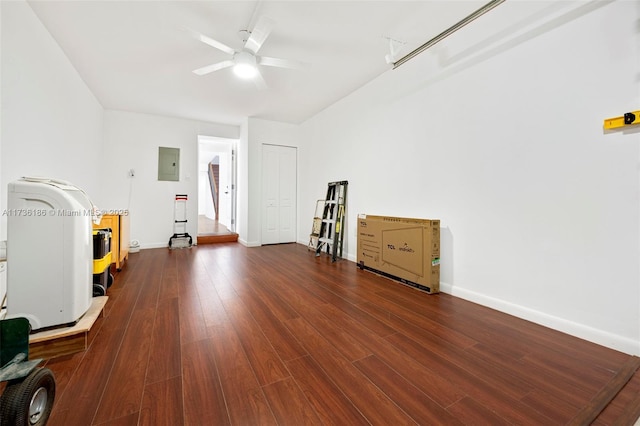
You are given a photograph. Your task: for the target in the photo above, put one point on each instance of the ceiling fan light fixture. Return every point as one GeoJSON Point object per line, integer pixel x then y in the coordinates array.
{"type": "Point", "coordinates": [245, 66]}
{"type": "Point", "coordinates": [245, 71]}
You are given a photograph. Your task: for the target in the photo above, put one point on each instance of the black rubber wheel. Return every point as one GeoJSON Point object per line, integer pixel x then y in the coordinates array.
{"type": "Point", "coordinates": [29, 401]}
{"type": "Point", "coordinates": [98, 290]}
{"type": "Point", "coordinates": [109, 280]}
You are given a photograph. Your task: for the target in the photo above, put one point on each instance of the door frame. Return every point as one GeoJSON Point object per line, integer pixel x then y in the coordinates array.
{"type": "Point", "coordinates": [233, 145]}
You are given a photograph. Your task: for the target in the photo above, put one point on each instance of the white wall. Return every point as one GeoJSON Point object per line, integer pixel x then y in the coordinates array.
{"type": "Point", "coordinates": [131, 142]}
{"type": "Point", "coordinates": [258, 132]}
{"type": "Point", "coordinates": [51, 122]}
{"type": "Point", "coordinates": [498, 132]}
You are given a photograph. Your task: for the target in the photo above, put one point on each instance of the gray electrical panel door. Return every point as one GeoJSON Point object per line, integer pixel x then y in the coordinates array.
{"type": "Point", "coordinates": [168, 163]}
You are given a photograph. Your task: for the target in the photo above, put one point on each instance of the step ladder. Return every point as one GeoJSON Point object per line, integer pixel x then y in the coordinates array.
{"type": "Point", "coordinates": [315, 228]}
{"type": "Point", "coordinates": [331, 233]}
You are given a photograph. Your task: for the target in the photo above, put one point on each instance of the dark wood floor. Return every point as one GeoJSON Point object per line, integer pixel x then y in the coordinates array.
{"type": "Point", "coordinates": [224, 334]}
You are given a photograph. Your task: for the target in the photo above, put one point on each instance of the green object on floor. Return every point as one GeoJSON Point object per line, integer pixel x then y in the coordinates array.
{"type": "Point", "coordinates": [14, 339]}
{"type": "Point", "coordinates": [14, 349]}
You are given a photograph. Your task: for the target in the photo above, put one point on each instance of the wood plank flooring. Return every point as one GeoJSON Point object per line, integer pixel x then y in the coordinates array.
{"type": "Point", "coordinates": [228, 335]}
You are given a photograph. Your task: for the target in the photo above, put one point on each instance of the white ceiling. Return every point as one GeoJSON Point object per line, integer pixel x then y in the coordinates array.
{"type": "Point", "coordinates": [137, 55]}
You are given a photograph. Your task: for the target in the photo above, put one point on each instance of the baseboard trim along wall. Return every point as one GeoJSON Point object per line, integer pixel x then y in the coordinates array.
{"type": "Point", "coordinates": [249, 244]}
{"type": "Point", "coordinates": [613, 341]}
{"type": "Point", "coordinates": [144, 246]}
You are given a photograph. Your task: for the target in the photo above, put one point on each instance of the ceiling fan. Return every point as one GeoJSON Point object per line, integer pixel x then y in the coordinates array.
{"type": "Point", "coordinates": [245, 61]}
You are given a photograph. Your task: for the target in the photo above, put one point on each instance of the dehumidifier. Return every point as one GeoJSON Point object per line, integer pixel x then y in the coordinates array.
{"type": "Point", "coordinates": [49, 252]}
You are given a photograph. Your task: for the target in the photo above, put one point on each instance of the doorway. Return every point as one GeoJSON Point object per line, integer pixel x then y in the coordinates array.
{"type": "Point", "coordinates": [216, 189]}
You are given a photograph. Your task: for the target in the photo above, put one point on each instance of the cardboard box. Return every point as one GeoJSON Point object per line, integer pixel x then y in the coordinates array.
{"type": "Point", "coordinates": [403, 249]}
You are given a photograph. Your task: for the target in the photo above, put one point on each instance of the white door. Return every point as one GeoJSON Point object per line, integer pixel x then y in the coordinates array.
{"type": "Point", "coordinates": [278, 194]}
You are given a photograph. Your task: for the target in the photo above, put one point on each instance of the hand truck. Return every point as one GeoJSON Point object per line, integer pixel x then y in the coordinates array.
{"type": "Point", "coordinates": [180, 237]}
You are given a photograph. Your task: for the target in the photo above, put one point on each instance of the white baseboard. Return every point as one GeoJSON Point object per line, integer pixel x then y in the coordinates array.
{"type": "Point", "coordinates": [144, 246]}
{"type": "Point", "coordinates": [600, 337]}
{"type": "Point", "coordinates": [249, 244]}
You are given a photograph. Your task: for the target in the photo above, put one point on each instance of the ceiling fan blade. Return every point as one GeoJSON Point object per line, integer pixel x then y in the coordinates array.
{"type": "Point", "coordinates": [281, 63]}
{"type": "Point", "coordinates": [259, 81]}
{"type": "Point", "coordinates": [259, 34]}
{"type": "Point", "coordinates": [211, 42]}
{"type": "Point", "coordinates": [214, 67]}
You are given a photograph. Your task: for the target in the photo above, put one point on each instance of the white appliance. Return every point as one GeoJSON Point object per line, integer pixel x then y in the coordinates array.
{"type": "Point", "coordinates": [49, 252]}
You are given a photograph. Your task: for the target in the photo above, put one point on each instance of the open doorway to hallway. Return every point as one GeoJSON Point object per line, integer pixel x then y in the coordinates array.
{"type": "Point", "coordinates": [216, 190]}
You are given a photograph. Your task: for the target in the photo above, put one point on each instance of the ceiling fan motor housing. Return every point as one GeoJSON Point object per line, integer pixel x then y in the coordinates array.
{"type": "Point", "coordinates": [244, 35]}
